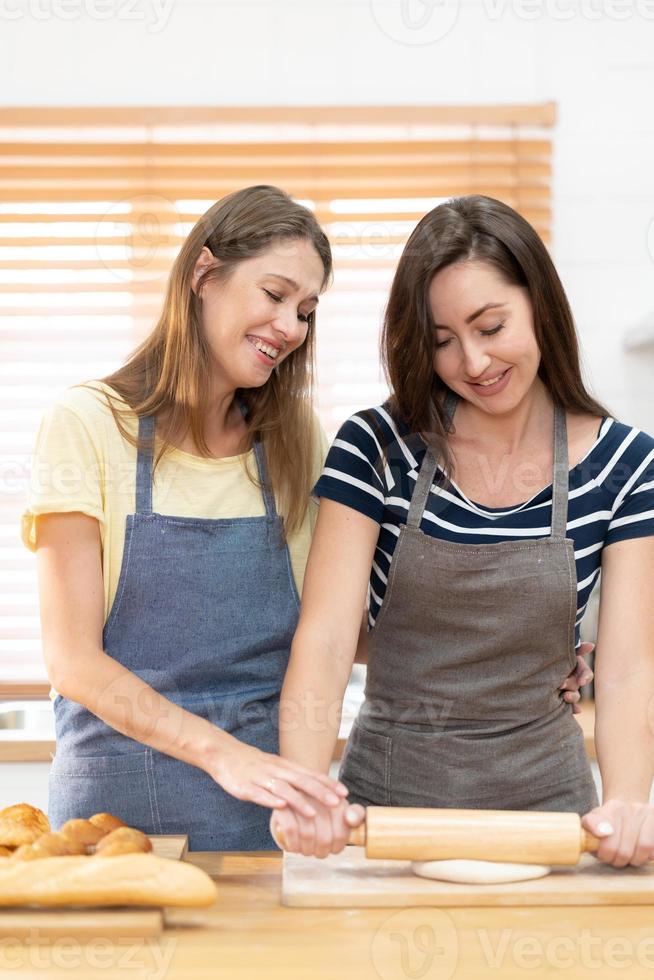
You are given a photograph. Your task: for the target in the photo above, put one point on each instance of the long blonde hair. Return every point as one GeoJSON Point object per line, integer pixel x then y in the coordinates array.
{"type": "Point", "coordinates": [168, 375]}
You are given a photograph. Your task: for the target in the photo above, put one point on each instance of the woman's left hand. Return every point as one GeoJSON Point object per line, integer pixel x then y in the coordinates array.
{"type": "Point", "coordinates": [578, 678]}
{"type": "Point", "coordinates": [626, 831]}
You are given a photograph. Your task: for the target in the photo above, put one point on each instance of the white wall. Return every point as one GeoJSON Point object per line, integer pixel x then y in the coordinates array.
{"type": "Point", "coordinates": [24, 781]}
{"type": "Point", "coordinates": [593, 57]}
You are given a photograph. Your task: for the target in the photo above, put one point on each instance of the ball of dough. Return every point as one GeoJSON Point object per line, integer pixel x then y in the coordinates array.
{"type": "Point", "coordinates": [478, 872]}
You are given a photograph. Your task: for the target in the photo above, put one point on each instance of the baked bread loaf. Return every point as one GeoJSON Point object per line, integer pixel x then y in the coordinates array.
{"type": "Point", "coordinates": [99, 861]}
{"type": "Point", "coordinates": [22, 824]}
{"type": "Point", "coordinates": [128, 879]}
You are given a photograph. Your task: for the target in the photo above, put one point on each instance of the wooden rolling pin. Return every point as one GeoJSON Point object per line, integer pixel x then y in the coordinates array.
{"type": "Point", "coordinates": [521, 836]}
{"type": "Point", "coordinates": [518, 836]}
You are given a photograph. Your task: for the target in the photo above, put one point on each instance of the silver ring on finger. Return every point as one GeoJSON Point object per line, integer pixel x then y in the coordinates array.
{"type": "Point", "coordinates": [270, 785]}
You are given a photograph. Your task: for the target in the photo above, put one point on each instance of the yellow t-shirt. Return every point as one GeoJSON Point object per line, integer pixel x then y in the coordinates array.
{"type": "Point", "coordinates": [82, 463]}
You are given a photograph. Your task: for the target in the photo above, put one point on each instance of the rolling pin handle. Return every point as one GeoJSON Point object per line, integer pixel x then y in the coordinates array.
{"type": "Point", "coordinates": [588, 842]}
{"type": "Point", "coordinates": [358, 835]}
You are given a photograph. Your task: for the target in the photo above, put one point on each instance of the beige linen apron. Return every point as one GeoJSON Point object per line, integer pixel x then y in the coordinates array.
{"type": "Point", "coordinates": [463, 707]}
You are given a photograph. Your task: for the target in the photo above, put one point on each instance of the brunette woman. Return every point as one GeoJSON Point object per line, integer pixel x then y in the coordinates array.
{"type": "Point", "coordinates": [476, 508]}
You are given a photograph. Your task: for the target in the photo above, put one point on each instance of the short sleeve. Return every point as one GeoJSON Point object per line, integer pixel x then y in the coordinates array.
{"type": "Point", "coordinates": [633, 511]}
{"type": "Point", "coordinates": [351, 475]}
{"type": "Point", "coordinates": [66, 473]}
{"type": "Point", "coordinates": [321, 443]}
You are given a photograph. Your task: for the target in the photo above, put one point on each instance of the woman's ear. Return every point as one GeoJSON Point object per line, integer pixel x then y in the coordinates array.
{"type": "Point", "coordinates": [203, 262]}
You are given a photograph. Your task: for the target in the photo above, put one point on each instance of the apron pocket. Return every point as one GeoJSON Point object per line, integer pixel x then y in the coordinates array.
{"type": "Point", "coordinates": [121, 784]}
{"type": "Point", "coordinates": [504, 771]}
{"type": "Point", "coordinates": [190, 802]}
{"type": "Point", "coordinates": [366, 766]}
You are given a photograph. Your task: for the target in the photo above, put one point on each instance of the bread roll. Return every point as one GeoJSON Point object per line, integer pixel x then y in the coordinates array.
{"type": "Point", "coordinates": [22, 824]}
{"type": "Point", "coordinates": [82, 830]}
{"type": "Point", "coordinates": [5, 852]}
{"type": "Point", "coordinates": [125, 840]}
{"type": "Point", "coordinates": [106, 822]}
{"type": "Point", "coordinates": [48, 845]}
{"type": "Point", "coordinates": [130, 879]}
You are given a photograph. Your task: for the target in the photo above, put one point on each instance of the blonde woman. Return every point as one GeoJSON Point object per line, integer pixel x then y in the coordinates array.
{"type": "Point", "coordinates": [172, 521]}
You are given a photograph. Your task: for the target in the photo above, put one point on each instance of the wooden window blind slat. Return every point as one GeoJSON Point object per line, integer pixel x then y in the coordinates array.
{"type": "Point", "coordinates": [95, 202]}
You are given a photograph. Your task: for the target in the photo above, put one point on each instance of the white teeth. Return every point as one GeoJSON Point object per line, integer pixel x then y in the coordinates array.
{"type": "Point", "coordinates": [492, 381]}
{"type": "Point", "coordinates": [270, 351]}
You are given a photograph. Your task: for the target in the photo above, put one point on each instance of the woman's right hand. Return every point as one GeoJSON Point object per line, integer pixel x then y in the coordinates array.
{"type": "Point", "coordinates": [269, 780]}
{"type": "Point", "coordinates": [327, 834]}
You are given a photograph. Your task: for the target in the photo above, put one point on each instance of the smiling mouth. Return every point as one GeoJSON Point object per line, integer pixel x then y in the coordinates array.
{"type": "Point", "coordinates": [491, 381]}
{"type": "Point", "coordinates": [272, 353]}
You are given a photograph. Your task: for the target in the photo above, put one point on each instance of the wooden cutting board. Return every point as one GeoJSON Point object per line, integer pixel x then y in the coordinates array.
{"type": "Point", "coordinates": [110, 922]}
{"type": "Point", "coordinates": [351, 880]}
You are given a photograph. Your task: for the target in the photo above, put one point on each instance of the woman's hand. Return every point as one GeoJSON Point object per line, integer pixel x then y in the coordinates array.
{"type": "Point", "coordinates": [626, 831]}
{"type": "Point", "coordinates": [326, 834]}
{"type": "Point", "coordinates": [269, 780]}
{"type": "Point", "coordinates": [578, 678]}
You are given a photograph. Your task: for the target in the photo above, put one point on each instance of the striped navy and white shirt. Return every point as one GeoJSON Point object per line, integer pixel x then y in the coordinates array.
{"type": "Point", "coordinates": [373, 463]}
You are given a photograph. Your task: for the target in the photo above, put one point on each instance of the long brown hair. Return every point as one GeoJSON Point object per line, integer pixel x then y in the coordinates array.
{"type": "Point", "coordinates": [484, 229]}
{"type": "Point", "coordinates": [168, 375]}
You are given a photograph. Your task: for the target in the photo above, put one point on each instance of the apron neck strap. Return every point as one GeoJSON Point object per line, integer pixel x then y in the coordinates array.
{"type": "Point", "coordinates": [428, 469]}
{"type": "Point", "coordinates": [559, 480]}
{"type": "Point", "coordinates": [144, 471]}
{"type": "Point", "coordinates": [266, 492]}
{"type": "Point", "coordinates": [262, 472]}
{"type": "Point", "coordinates": [144, 465]}
{"type": "Point", "coordinates": [560, 476]}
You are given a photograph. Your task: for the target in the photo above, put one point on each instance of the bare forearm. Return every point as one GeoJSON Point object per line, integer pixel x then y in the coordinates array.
{"type": "Point", "coordinates": [312, 702]}
{"type": "Point", "coordinates": [624, 735]}
{"type": "Point", "coordinates": [126, 703]}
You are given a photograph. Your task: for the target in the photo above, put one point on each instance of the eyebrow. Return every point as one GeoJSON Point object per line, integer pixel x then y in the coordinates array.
{"type": "Point", "coordinates": [477, 313]}
{"type": "Point", "coordinates": [292, 283]}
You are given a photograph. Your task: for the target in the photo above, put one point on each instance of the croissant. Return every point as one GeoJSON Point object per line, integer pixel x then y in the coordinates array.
{"type": "Point", "coordinates": [22, 824]}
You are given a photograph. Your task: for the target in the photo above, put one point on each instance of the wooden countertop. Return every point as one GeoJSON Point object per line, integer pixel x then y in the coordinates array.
{"type": "Point", "coordinates": [24, 746]}
{"type": "Point", "coordinates": [248, 934]}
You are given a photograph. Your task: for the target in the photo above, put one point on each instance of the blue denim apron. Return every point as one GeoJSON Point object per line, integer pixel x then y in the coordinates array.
{"type": "Point", "coordinates": [205, 612]}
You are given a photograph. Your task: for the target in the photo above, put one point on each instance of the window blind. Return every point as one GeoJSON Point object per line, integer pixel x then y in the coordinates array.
{"type": "Point", "coordinates": [95, 202]}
